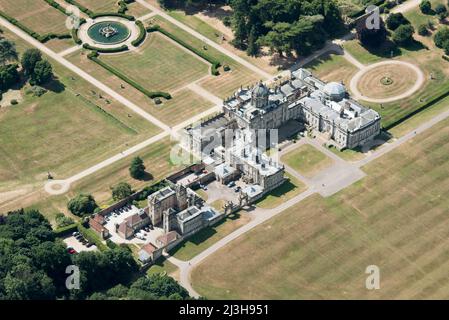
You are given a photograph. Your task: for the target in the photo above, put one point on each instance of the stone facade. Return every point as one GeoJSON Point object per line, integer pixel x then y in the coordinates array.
{"type": "Point", "coordinates": [325, 108]}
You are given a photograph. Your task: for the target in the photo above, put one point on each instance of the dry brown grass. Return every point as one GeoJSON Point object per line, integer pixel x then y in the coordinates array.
{"type": "Point", "coordinates": [402, 77]}
{"type": "Point", "coordinates": [395, 218]}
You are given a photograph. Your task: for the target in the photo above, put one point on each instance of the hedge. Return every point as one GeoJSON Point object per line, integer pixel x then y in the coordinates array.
{"type": "Point", "coordinates": [215, 63]}
{"type": "Point", "coordinates": [63, 231]}
{"type": "Point", "coordinates": [423, 107]}
{"type": "Point", "coordinates": [113, 14]}
{"type": "Point", "coordinates": [142, 34]}
{"type": "Point", "coordinates": [106, 50]}
{"type": "Point", "coordinates": [151, 94]}
{"type": "Point", "coordinates": [92, 237]}
{"type": "Point", "coordinates": [81, 7]}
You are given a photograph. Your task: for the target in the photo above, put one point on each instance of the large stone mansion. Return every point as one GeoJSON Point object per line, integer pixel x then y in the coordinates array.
{"type": "Point", "coordinates": [324, 108]}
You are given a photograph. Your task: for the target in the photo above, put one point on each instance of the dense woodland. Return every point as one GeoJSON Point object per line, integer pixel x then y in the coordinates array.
{"type": "Point", "coordinates": [285, 26]}
{"type": "Point", "coordinates": [33, 265]}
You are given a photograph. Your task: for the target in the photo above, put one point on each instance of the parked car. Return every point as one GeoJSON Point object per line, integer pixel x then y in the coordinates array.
{"type": "Point", "coordinates": [237, 189]}
{"type": "Point", "coordinates": [70, 250]}
{"type": "Point", "coordinates": [75, 233]}
{"type": "Point", "coordinates": [78, 236]}
{"type": "Point", "coordinates": [231, 184]}
{"type": "Point", "coordinates": [89, 244]}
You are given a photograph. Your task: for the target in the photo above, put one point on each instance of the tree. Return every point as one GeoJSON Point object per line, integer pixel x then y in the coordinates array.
{"type": "Point", "coordinates": [371, 37]}
{"type": "Point", "coordinates": [403, 34]}
{"type": "Point", "coordinates": [121, 191]}
{"type": "Point", "coordinates": [29, 60]}
{"type": "Point", "coordinates": [440, 8]}
{"type": "Point", "coordinates": [240, 32]}
{"type": "Point", "coordinates": [156, 286]}
{"type": "Point", "coordinates": [82, 204]}
{"type": "Point", "coordinates": [8, 52]}
{"type": "Point", "coordinates": [422, 30]}
{"type": "Point", "coordinates": [446, 47]}
{"type": "Point", "coordinates": [137, 168]}
{"type": "Point", "coordinates": [42, 73]}
{"type": "Point", "coordinates": [425, 6]}
{"type": "Point", "coordinates": [253, 47]}
{"type": "Point", "coordinates": [8, 76]}
{"type": "Point", "coordinates": [441, 36]}
{"type": "Point", "coordinates": [395, 20]}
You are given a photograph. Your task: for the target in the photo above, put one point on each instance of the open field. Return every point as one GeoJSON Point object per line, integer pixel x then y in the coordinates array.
{"type": "Point", "coordinates": [64, 131]}
{"type": "Point", "coordinates": [156, 158]}
{"type": "Point", "coordinates": [227, 82]}
{"type": "Point", "coordinates": [395, 218]}
{"type": "Point", "coordinates": [291, 188]}
{"type": "Point", "coordinates": [307, 160]}
{"type": "Point", "coordinates": [208, 236]}
{"type": "Point", "coordinates": [159, 65]}
{"type": "Point", "coordinates": [332, 67]}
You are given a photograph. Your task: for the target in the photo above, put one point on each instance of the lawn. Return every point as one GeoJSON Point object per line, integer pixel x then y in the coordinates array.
{"type": "Point", "coordinates": [306, 160]}
{"type": "Point", "coordinates": [289, 189]}
{"type": "Point", "coordinates": [184, 103]}
{"type": "Point", "coordinates": [332, 67]}
{"type": "Point", "coordinates": [64, 131]}
{"type": "Point", "coordinates": [159, 64]}
{"type": "Point", "coordinates": [225, 84]}
{"type": "Point", "coordinates": [208, 236]}
{"type": "Point", "coordinates": [37, 15]}
{"type": "Point", "coordinates": [100, 5]}
{"type": "Point", "coordinates": [395, 218]}
{"type": "Point", "coordinates": [161, 266]}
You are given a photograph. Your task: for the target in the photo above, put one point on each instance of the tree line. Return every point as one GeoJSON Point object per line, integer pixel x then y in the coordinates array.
{"type": "Point", "coordinates": [284, 26]}
{"type": "Point", "coordinates": [33, 266]}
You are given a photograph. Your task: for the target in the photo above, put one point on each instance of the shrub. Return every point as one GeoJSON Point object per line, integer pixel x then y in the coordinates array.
{"type": "Point", "coordinates": [92, 237]}
{"type": "Point", "coordinates": [14, 102]}
{"type": "Point", "coordinates": [64, 231]}
{"type": "Point", "coordinates": [82, 204]}
{"type": "Point", "coordinates": [121, 191]}
{"type": "Point", "coordinates": [112, 14]}
{"type": "Point", "coordinates": [106, 50]}
{"type": "Point", "coordinates": [440, 8]}
{"type": "Point", "coordinates": [142, 34]}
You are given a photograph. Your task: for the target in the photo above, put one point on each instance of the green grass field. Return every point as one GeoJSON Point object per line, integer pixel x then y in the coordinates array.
{"type": "Point", "coordinates": [36, 15]}
{"type": "Point", "coordinates": [289, 189]}
{"type": "Point", "coordinates": [306, 160]}
{"type": "Point", "coordinates": [208, 236]}
{"type": "Point", "coordinates": [225, 84]}
{"type": "Point", "coordinates": [332, 67]}
{"type": "Point", "coordinates": [64, 131]}
{"type": "Point", "coordinates": [395, 218]}
{"type": "Point", "coordinates": [159, 64]}
{"type": "Point", "coordinates": [184, 104]}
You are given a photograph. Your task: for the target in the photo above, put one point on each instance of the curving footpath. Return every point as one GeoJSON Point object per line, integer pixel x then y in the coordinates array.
{"type": "Point", "coordinates": [359, 96]}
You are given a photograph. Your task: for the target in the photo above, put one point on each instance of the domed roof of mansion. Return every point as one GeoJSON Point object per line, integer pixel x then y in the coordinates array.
{"type": "Point", "coordinates": [260, 90]}
{"type": "Point", "coordinates": [335, 90]}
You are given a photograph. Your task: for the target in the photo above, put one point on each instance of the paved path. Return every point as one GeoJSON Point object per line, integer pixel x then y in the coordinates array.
{"type": "Point", "coordinates": [70, 50]}
{"type": "Point", "coordinates": [83, 74]}
{"type": "Point", "coordinates": [364, 69]}
{"type": "Point", "coordinates": [206, 40]}
{"type": "Point", "coordinates": [262, 215]}
{"type": "Point", "coordinates": [406, 6]}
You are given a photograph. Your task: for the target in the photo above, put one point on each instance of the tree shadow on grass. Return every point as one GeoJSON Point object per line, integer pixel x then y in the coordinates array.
{"type": "Point", "coordinates": [54, 85]}
{"type": "Point", "coordinates": [147, 177]}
